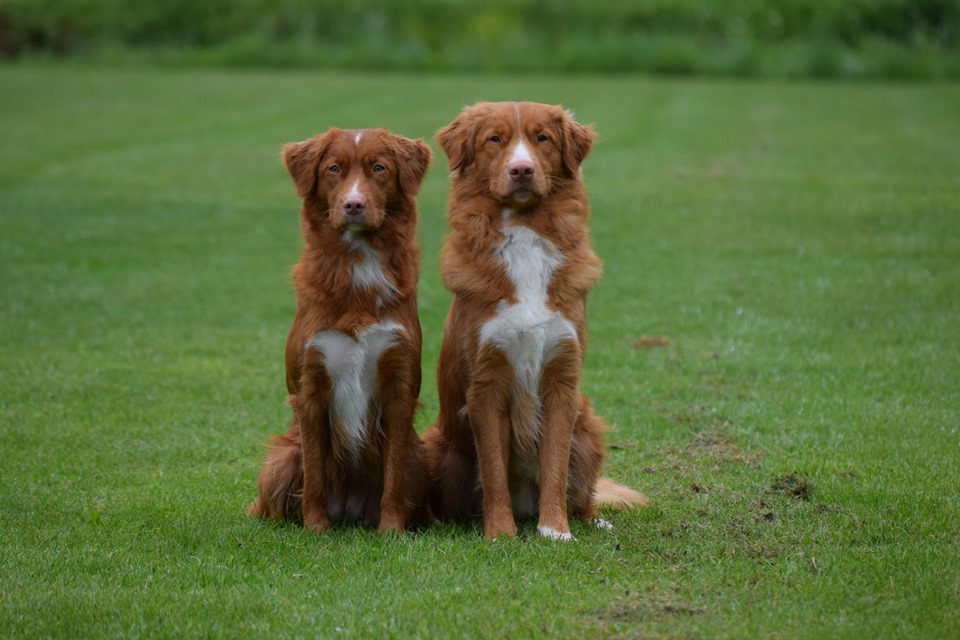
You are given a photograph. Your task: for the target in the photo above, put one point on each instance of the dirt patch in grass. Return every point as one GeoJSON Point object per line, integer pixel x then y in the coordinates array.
{"type": "Point", "coordinates": [711, 448]}
{"type": "Point", "coordinates": [702, 417]}
{"type": "Point", "coordinates": [651, 342]}
{"type": "Point", "coordinates": [792, 485]}
{"type": "Point", "coordinates": [709, 441]}
{"type": "Point", "coordinates": [719, 447]}
{"type": "Point", "coordinates": [639, 608]}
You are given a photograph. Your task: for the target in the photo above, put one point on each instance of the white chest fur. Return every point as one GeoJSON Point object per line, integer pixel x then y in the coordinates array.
{"type": "Point", "coordinates": [527, 331]}
{"type": "Point", "coordinates": [352, 368]}
{"type": "Point", "coordinates": [368, 272]}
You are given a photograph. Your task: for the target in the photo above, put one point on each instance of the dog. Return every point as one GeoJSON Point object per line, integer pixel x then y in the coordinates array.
{"type": "Point", "coordinates": [519, 262]}
{"type": "Point", "coordinates": [353, 353]}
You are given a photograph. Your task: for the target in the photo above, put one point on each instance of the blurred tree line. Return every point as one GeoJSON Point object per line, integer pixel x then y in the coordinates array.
{"type": "Point", "coordinates": [802, 38]}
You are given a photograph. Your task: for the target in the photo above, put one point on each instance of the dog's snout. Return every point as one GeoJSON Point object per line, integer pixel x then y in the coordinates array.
{"type": "Point", "coordinates": [521, 170]}
{"type": "Point", "coordinates": [354, 206]}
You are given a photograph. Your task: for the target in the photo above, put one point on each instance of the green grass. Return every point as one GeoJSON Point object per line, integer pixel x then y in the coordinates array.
{"type": "Point", "coordinates": [798, 244]}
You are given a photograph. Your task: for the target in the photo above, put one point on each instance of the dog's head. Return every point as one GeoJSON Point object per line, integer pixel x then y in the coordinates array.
{"type": "Point", "coordinates": [516, 152]}
{"type": "Point", "coordinates": [356, 178]}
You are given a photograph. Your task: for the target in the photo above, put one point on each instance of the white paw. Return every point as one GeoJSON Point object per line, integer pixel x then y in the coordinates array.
{"type": "Point", "coordinates": [553, 534]}
{"type": "Point", "coordinates": [600, 523]}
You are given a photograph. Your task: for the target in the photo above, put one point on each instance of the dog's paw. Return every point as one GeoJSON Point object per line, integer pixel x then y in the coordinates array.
{"type": "Point", "coordinates": [499, 523]}
{"type": "Point", "coordinates": [553, 534]}
{"type": "Point", "coordinates": [391, 524]}
{"type": "Point", "coordinates": [316, 523]}
{"type": "Point", "coordinates": [603, 525]}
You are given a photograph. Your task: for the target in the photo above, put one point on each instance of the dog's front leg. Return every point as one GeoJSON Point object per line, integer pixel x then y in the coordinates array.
{"type": "Point", "coordinates": [561, 400]}
{"type": "Point", "coordinates": [312, 405]}
{"type": "Point", "coordinates": [488, 403]}
{"type": "Point", "coordinates": [397, 400]}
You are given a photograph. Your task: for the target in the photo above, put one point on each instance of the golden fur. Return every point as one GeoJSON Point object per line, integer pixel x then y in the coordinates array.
{"type": "Point", "coordinates": [514, 437]}
{"type": "Point", "coordinates": [350, 456]}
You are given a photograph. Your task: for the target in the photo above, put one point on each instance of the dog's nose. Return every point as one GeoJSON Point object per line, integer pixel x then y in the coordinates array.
{"type": "Point", "coordinates": [521, 170]}
{"type": "Point", "coordinates": [354, 206]}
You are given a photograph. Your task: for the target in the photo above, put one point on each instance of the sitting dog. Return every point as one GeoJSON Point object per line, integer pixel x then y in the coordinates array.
{"type": "Point", "coordinates": [519, 262]}
{"type": "Point", "coordinates": [353, 353]}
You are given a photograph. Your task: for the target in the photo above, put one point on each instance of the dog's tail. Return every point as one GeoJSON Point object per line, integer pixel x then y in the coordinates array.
{"type": "Point", "coordinates": [281, 480]}
{"type": "Point", "coordinates": [609, 494]}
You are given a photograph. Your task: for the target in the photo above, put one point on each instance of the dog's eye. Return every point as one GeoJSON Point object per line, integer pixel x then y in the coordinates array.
{"type": "Point", "coordinates": [496, 139]}
{"type": "Point", "coordinates": [334, 168]}
{"type": "Point", "coordinates": [542, 138]}
{"type": "Point", "coordinates": [379, 168]}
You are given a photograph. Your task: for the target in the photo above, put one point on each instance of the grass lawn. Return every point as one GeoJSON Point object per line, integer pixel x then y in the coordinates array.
{"type": "Point", "coordinates": [798, 245]}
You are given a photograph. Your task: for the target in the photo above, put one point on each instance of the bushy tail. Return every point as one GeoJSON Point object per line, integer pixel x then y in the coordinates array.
{"type": "Point", "coordinates": [281, 481]}
{"type": "Point", "coordinates": [609, 494]}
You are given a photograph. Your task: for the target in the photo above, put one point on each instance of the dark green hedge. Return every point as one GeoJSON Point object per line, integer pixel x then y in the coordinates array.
{"type": "Point", "coordinates": [749, 37]}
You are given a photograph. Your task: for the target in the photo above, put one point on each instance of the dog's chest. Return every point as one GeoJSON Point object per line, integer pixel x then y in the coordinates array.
{"type": "Point", "coordinates": [351, 365]}
{"type": "Point", "coordinates": [527, 331]}
{"type": "Point", "coordinates": [368, 272]}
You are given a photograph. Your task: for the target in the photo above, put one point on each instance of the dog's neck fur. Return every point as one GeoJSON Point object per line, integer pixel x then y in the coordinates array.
{"type": "Point", "coordinates": [356, 276]}
{"type": "Point", "coordinates": [477, 229]}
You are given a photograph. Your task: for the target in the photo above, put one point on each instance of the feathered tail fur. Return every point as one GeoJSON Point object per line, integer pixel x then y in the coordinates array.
{"type": "Point", "coordinates": [609, 494]}
{"type": "Point", "coordinates": [281, 480]}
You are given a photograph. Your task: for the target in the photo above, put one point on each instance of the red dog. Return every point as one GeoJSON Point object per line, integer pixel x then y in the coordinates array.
{"type": "Point", "coordinates": [353, 354]}
{"type": "Point", "coordinates": [519, 261]}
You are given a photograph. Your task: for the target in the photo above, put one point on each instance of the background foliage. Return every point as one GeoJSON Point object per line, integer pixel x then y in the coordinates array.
{"type": "Point", "coordinates": [811, 38]}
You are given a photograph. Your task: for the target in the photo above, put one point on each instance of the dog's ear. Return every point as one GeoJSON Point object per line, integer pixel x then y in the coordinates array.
{"type": "Point", "coordinates": [457, 141]}
{"type": "Point", "coordinates": [413, 157]}
{"type": "Point", "coordinates": [576, 140]}
{"type": "Point", "coordinates": [302, 159]}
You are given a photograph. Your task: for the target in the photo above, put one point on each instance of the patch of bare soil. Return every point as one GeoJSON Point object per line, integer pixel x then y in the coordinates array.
{"type": "Point", "coordinates": [712, 447]}
{"type": "Point", "coordinates": [651, 342]}
{"type": "Point", "coordinates": [640, 608]}
{"type": "Point", "coordinates": [719, 447]}
{"type": "Point", "coordinates": [792, 485]}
